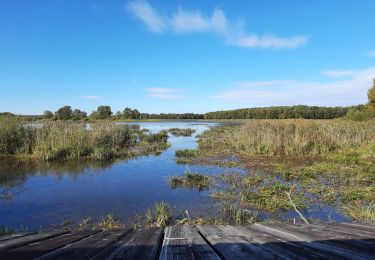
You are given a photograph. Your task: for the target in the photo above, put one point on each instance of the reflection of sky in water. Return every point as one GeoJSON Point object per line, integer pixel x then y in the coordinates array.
{"type": "Point", "coordinates": [126, 188]}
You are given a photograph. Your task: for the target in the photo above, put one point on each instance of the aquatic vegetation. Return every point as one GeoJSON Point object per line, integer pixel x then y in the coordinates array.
{"type": "Point", "coordinates": [109, 222]}
{"type": "Point", "coordinates": [365, 213]}
{"type": "Point", "coordinates": [181, 131]}
{"type": "Point", "coordinates": [187, 153]}
{"type": "Point", "coordinates": [190, 180]}
{"type": "Point", "coordinates": [70, 140]}
{"type": "Point", "coordinates": [163, 215]}
{"type": "Point", "coordinates": [85, 224]}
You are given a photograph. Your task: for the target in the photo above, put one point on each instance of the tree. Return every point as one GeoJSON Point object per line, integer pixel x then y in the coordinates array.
{"type": "Point", "coordinates": [47, 114]}
{"type": "Point", "coordinates": [371, 94]}
{"type": "Point", "coordinates": [127, 113]}
{"type": "Point", "coordinates": [64, 113]}
{"type": "Point", "coordinates": [103, 112]}
{"type": "Point", "coordinates": [78, 114]}
{"type": "Point", "coordinates": [136, 114]}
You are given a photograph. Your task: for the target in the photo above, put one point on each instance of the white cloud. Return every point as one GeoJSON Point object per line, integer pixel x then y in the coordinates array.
{"type": "Point", "coordinates": [187, 21]}
{"type": "Point", "coordinates": [339, 73]}
{"type": "Point", "coordinates": [347, 91]}
{"type": "Point", "coordinates": [164, 93]}
{"type": "Point", "coordinates": [269, 41]}
{"type": "Point", "coordinates": [371, 53]}
{"type": "Point", "coordinates": [147, 14]}
{"type": "Point", "coordinates": [93, 97]}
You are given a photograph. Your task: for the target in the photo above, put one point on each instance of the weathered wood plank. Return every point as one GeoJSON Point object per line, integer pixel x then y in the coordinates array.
{"type": "Point", "coordinates": [137, 244]}
{"type": "Point", "coordinates": [360, 226]}
{"type": "Point", "coordinates": [335, 245]}
{"type": "Point", "coordinates": [15, 235]}
{"type": "Point", "coordinates": [40, 248]}
{"type": "Point", "coordinates": [282, 247]}
{"type": "Point", "coordinates": [86, 248]}
{"type": "Point", "coordinates": [233, 243]}
{"type": "Point", "coordinates": [184, 242]}
{"type": "Point", "coordinates": [6, 245]}
{"type": "Point", "coordinates": [337, 234]}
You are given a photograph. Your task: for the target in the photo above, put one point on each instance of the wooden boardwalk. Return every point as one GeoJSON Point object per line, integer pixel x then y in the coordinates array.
{"type": "Point", "coordinates": [258, 241]}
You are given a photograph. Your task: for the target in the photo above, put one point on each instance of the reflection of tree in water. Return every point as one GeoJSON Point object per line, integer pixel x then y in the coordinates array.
{"type": "Point", "coordinates": [14, 172]}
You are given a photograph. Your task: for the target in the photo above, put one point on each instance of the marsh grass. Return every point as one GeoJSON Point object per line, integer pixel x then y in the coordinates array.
{"type": "Point", "coordinates": [289, 137]}
{"type": "Point", "coordinates": [190, 180]}
{"type": "Point", "coordinates": [160, 217]}
{"type": "Point", "coordinates": [109, 222]}
{"type": "Point", "coordinates": [71, 140]}
{"type": "Point", "coordinates": [181, 131]}
{"type": "Point", "coordinates": [363, 213]}
{"type": "Point", "coordinates": [187, 153]}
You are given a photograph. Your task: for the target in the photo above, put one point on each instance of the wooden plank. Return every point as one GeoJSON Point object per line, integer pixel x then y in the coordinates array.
{"type": "Point", "coordinates": [360, 226]}
{"type": "Point", "coordinates": [137, 244]}
{"type": "Point", "coordinates": [328, 242]}
{"type": "Point", "coordinates": [40, 248]}
{"type": "Point", "coordinates": [86, 248]}
{"type": "Point", "coordinates": [281, 246]}
{"type": "Point", "coordinates": [337, 234]}
{"type": "Point", "coordinates": [184, 242]}
{"type": "Point", "coordinates": [232, 243]}
{"type": "Point", "coordinates": [15, 235]}
{"type": "Point", "coordinates": [24, 240]}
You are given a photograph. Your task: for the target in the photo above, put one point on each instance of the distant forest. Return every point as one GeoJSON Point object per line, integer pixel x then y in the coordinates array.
{"type": "Point", "coordinates": [276, 112]}
{"type": "Point", "coordinates": [281, 112]}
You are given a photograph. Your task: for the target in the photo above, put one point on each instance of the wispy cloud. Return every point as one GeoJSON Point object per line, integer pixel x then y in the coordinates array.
{"type": "Point", "coordinates": [335, 92]}
{"type": "Point", "coordinates": [164, 93]}
{"type": "Point", "coordinates": [371, 53]}
{"type": "Point", "coordinates": [339, 73]}
{"type": "Point", "coordinates": [92, 97]}
{"type": "Point", "coordinates": [193, 21]}
{"type": "Point", "coordinates": [148, 15]}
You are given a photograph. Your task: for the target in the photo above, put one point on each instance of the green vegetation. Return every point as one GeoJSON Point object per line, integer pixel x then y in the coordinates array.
{"type": "Point", "coordinates": [187, 153]}
{"type": "Point", "coordinates": [67, 140]}
{"type": "Point", "coordinates": [162, 215]}
{"type": "Point", "coordinates": [281, 112]}
{"type": "Point", "coordinates": [190, 180]}
{"type": "Point", "coordinates": [317, 162]}
{"type": "Point", "coordinates": [181, 131]}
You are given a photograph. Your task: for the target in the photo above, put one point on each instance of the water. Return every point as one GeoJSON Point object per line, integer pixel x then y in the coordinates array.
{"type": "Point", "coordinates": [38, 195]}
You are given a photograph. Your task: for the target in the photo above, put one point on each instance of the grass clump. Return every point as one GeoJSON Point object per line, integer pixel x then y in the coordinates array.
{"type": "Point", "coordinates": [181, 131]}
{"type": "Point", "coordinates": [363, 213]}
{"type": "Point", "coordinates": [187, 153]}
{"type": "Point", "coordinates": [190, 180]}
{"type": "Point", "coordinates": [162, 216]}
{"type": "Point", "coordinates": [109, 222]}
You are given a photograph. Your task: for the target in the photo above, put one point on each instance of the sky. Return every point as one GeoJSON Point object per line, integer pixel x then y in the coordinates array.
{"type": "Point", "coordinates": [184, 56]}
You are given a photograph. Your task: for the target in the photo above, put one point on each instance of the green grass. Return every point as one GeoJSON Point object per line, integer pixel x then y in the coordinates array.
{"type": "Point", "coordinates": [322, 161]}
{"type": "Point", "coordinates": [71, 140]}
{"type": "Point", "coordinates": [190, 180]}
{"type": "Point", "coordinates": [363, 213]}
{"type": "Point", "coordinates": [181, 131]}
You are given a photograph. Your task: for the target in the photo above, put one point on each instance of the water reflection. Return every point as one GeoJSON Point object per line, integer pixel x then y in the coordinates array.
{"type": "Point", "coordinates": [40, 194]}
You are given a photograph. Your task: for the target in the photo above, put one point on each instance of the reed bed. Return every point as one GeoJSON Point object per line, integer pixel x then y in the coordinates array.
{"type": "Point", "coordinates": [67, 140]}
{"type": "Point", "coordinates": [290, 137]}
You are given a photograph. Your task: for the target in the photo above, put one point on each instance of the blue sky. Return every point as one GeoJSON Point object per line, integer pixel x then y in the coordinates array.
{"type": "Point", "coordinates": [184, 56]}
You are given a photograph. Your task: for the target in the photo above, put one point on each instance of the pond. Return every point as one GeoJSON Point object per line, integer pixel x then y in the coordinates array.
{"type": "Point", "coordinates": [39, 194]}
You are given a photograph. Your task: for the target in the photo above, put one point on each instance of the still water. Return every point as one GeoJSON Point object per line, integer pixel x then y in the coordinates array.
{"type": "Point", "coordinates": [38, 195]}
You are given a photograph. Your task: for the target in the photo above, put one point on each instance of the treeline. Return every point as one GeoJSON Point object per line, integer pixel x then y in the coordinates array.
{"type": "Point", "coordinates": [105, 112]}
{"type": "Point", "coordinates": [280, 112]}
